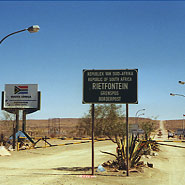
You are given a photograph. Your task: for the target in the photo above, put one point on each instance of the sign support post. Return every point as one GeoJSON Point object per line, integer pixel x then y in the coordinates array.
{"type": "Point", "coordinates": [107, 87]}
{"type": "Point", "coordinates": [92, 138]}
{"type": "Point", "coordinates": [127, 147]}
{"type": "Point", "coordinates": [14, 136]}
{"type": "Point", "coordinates": [17, 121]}
{"type": "Point", "coordinates": [23, 120]}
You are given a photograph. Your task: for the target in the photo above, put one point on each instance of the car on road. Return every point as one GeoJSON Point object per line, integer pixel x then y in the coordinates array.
{"type": "Point", "coordinates": [170, 134]}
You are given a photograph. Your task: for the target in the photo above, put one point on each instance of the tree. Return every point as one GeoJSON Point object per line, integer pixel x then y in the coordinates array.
{"type": "Point", "coordinates": [114, 125]}
{"type": "Point", "coordinates": [7, 120]}
{"type": "Point", "coordinates": [148, 128]}
{"type": "Point", "coordinates": [109, 121]}
{"type": "Point", "coordinates": [7, 116]}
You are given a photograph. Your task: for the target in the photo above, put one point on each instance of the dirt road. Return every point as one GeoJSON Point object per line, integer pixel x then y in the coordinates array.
{"type": "Point", "coordinates": [172, 157]}
{"type": "Point", "coordinates": [66, 165]}
{"type": "Point", "coordinates": [47, 165]}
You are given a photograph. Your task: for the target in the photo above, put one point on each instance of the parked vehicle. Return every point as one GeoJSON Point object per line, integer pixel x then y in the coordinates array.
{"type": "Point", "coordinates": [160, 133]}
{"type": "Point", "coordinates": [170, 134]}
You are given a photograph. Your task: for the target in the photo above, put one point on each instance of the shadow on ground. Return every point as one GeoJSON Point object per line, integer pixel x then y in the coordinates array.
{"type": "Point", "coordinates": [87, 171]}
{"type": "Point", "coordinates": [74, 169]}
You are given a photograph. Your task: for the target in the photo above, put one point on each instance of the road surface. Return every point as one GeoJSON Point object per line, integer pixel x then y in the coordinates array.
{"type": "Point", "coordinates": [173, 159]}
{"type": "Point", "coordinates": [65, 165]}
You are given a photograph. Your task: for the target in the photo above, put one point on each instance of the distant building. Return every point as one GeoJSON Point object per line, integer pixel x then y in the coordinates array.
{"type": "Point", "coordinates": [179, 132]}
{"type": "Point", "coordinates": [134, 129]}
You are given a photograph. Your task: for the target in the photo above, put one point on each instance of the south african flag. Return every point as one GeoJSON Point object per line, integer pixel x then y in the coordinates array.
{"type": "Point", "coordinates": [21, 89]}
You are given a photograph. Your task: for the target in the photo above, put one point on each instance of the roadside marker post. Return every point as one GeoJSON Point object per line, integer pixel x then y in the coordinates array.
{"type": "Point", "coordinates": [110, 87]}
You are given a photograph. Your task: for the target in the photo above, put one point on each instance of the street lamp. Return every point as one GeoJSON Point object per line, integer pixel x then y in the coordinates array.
{"type": "Point", "coordinates": [181, 82]}
{"type": "Point", "coordinates": [171, 94]}
{"type": "Point", "coordinates": [138, 117]}
{"type": "Point", "coordinates": [182, 96]}
{"type": "Point", "coordinates": [31, 29]}
{"type": "Point", "coordinates": [141, 114]}
{"type": "Point", "coordinates": [137, 113]}
{"type": "Point", "coordinates": [183, 124]}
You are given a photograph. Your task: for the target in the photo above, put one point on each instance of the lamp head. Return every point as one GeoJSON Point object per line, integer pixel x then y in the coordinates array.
{"type": "Point", "coordinates": [33, 29]}
{"type": "Point", "coordinates": [181, 82]}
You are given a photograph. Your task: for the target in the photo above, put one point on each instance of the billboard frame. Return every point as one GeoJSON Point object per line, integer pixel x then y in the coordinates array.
{"type": "Point", "coordinates": [27, 110]}
{"type": "Point", "coordinates": [21, 96]}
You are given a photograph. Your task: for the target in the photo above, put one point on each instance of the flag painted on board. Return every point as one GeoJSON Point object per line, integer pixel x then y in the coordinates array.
{"type": "Point", "coordinates": [21, 89]}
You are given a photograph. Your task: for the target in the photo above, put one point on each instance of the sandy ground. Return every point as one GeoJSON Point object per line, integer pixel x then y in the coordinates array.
{"type": "Point", "coordinates": [67, 165]}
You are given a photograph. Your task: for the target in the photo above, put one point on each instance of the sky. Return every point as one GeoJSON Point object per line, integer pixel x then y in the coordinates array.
{"type": "Point", "coordinates": [77, 35]}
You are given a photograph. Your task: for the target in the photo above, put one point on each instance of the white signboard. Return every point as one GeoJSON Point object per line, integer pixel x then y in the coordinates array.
{"type": "Point", "coordinates": [21, 96]}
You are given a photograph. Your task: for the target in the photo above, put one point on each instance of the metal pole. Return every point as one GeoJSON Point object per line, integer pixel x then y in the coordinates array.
{"type": "Point", "coordinates": [92, 139]}
{"type": "Point", "coordinates": [24, 121]}
{"type": "Point", "coordinates": [14, 136]}
{"type": "Point", "coordinates": [59, 126]}
{"type": "Point", "coordinates": [12, 34]}
{"type": "Point", "coordinates": [17, 121]}
{"type": "Point", "coordinates": [127, 152]}
{"type": "Point", "coordinates": [48, 127]}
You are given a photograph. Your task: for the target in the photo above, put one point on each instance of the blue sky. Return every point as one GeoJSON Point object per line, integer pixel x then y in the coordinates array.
{"type": "Point", "coordinates": [148, 36]}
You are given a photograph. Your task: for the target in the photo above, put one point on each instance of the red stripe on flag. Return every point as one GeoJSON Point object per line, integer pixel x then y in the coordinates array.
{"type": "Point", "coordinates": [23, 87]}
